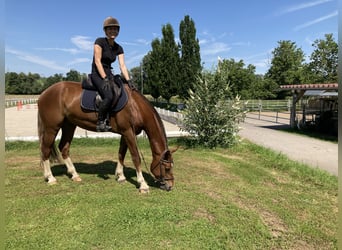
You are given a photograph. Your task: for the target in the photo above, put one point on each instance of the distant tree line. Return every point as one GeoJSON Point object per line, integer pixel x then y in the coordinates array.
{"type": "Point", "coordinates": [172, 69]}
{"type": "Point", "coordinates": [30, 83]}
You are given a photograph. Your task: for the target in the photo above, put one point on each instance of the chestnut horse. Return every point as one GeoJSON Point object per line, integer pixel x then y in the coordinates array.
{"type": "Point", "coordinates": [59, 107]}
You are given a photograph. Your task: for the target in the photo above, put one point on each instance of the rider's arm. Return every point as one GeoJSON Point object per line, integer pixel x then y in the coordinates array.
{"type": "Point", "coordinates": [123, 67]}
{"type": "Point", "coordinates": [97, 59]}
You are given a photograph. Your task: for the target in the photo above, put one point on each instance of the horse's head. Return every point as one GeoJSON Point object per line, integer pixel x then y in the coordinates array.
{"type": "Point", "coordinates": [162, 170]}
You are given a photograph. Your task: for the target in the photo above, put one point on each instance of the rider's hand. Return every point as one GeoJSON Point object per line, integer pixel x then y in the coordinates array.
{"type": "Point", "coordinates": [131, 84]}
{"type": "Point", "coordinates": [106, 85]}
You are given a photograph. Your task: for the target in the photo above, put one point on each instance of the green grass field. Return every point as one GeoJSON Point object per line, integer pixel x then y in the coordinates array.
{"type": "Point", "coordinates": [246, 197]}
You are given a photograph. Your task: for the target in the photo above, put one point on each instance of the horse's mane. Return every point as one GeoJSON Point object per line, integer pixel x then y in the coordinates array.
{"type": "Point", "coordinates": [154, 112]}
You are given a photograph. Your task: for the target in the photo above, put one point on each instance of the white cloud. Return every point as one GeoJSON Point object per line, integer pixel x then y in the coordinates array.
{"type": "Point", "coordinates": [215, 48]}
{"type": "Point", "coordinates": [79, 60]}
{"type": "Point", "coordinates": [302, 6]}
{"type": "Point", "coordinates": [71, 51]}
{"type": "Point", "coordinates": [203, 41]}
{"type": "Point", "coordinates": [318, 20]}
{"type": "Point", "coordinates": [134, 61]}
{"type": "Point", "coordinates": [248, 44]}
{"type": "Point", "coordinates": [36, 59]}
{"type": "Point", "coordinates": [143, 41]}
{"type": "Point", "coordinates": [82, 42]}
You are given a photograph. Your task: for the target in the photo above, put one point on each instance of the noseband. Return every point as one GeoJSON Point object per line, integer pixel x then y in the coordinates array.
{"type": "Point", "coordinates": [160, 164]}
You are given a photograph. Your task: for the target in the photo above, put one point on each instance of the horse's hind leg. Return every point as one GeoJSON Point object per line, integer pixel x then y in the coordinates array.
{"type": "Point", "coordinates": [119, 173]}
{"type": "Point", "coordinates": [68, 131]}
{"type": "Point", "coordinates": [47, 141]}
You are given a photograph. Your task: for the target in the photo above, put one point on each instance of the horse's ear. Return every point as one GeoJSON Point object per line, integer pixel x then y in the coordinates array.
{"type": "Point", "coordinates": [174, 150]}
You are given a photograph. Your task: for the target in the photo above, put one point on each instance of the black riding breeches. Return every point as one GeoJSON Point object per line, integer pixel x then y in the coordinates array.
{"type": "Point", "coordinates": [105, 93]}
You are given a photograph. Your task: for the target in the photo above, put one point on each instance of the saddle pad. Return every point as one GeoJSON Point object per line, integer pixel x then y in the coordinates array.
{"type": "Point", "coordinates": [88, 100]}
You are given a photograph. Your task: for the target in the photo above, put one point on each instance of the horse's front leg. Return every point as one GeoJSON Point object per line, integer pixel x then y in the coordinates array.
{"type": "Point", "coordinates": [130, 142]}
{"type": "Point", "coordinates": [45, 164]}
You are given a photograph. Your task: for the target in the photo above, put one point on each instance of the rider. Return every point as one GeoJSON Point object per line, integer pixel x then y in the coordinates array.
{"type": "Point", "coordinates": [105, 52]}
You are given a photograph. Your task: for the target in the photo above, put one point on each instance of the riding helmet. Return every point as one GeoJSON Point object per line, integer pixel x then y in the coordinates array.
{"type": "Point", "coordinates": [110, 21]}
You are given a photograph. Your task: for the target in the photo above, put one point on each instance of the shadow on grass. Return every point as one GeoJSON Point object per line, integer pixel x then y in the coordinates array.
{"type": "Point", "coordinates": [326, 136]}
{"type": "Point", "coordinates": [103, 170]}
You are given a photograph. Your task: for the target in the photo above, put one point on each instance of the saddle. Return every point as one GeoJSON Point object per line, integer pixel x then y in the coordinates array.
{"type": "Point", "coordinates": [90, 98]}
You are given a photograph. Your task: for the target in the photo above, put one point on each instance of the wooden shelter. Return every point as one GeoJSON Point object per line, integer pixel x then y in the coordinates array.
{"type": "Point", "coordinates": [298, 91]}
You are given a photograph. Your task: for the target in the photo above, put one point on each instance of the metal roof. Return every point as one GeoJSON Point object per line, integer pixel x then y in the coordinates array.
{"type": "Point", "coordinates": [319, 92]}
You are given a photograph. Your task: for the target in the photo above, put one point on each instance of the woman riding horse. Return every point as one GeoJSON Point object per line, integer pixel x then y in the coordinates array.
{"type": "Point", "coordinates": [105, 52]}
{"type": "Point", "coordinates": [59, 108]}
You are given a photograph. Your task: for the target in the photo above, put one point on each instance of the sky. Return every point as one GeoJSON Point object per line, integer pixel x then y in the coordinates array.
{"type": "Point", "coordinates": [54, 37]}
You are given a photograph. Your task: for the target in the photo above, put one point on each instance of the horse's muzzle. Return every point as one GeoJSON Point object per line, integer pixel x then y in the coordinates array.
{"type": "Point", "coordinates": [165, 186]}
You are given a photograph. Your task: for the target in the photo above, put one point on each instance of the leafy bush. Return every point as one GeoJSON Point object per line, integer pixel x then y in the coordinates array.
{"type": "Point", "coordinates": [210, 115]}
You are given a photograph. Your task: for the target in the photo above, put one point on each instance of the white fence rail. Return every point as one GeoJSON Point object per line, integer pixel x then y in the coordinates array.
{"type": "Point", "coordinates": [19, 102]}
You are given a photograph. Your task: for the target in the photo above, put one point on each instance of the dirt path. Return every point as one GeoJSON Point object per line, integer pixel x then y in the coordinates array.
{"type": "Point", "coordinates": [21, 124]}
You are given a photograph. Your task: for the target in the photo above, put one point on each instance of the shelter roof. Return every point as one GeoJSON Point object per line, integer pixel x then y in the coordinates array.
{"type": "Point", "coordinates": [315, 86]}
{"type": "Point", "coordinates": [319, 92]}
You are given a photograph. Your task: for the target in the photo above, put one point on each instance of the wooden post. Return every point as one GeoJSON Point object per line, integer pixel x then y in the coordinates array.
{"type": "Point", "coordinates": [295, 98]}
{"type": "Point", "coordinates": [293, 110]}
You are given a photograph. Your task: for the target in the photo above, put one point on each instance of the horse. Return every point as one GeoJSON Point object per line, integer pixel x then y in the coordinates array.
{"type": "Point", "coordinates": [59, 108]}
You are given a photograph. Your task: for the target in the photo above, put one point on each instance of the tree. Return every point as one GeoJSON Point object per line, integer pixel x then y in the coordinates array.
{"type": "Point", "coordinates": [237, 76]}
{"type": "Point", "coordinates": [169, 71]}
{"type": "Point", "coordinates": [152, 64]}
{"type": "Point", "coordinates": [22, 83]}
{"type": "Point", "coordinates": [12, 83]}
{"type": "Point", "coordinates": [286, 65]}
{"type": "Point", "coordinates": [190, 56]}
{"type": "Point", "coordinates": [243, 81]}
{"type": "Point", "coordinates": [209, 116]}
{"type": "Point", "coordinates": [135, 73]}
{"type": "Point", "coordinates": [52, 79]}
{"type": "Point", "coordinates": [73, 75]}
{"type": "Point", "coordinates": [263, 88]}
{"type": "Point", "coordinates": [324, 60]}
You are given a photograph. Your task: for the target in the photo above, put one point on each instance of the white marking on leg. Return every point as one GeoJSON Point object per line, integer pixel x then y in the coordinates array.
{"type": "Point", "coordinates": [72, 170]}
{"type": "Point", "coordinates": [144, 188]}
{"type": "Point", "coordinates": [47, 172]}
{"type": "Point", "coordinates": [120, 176]}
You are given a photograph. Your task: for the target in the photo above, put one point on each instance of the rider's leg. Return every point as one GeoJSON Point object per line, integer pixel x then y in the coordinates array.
{"type": "Point", "coordinates": [106, 94]}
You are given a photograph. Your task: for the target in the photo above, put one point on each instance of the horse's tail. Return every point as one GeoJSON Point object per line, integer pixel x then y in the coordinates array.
{"type": "Point", "coordinates": [55, 155]}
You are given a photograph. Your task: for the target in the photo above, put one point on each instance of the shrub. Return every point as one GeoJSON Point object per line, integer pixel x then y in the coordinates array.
{"type": "Point", "coordinates": [211, 117]}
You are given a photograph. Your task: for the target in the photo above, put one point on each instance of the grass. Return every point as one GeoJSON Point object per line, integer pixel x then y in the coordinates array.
{"type": "Point", "coordinates": [246, 197]}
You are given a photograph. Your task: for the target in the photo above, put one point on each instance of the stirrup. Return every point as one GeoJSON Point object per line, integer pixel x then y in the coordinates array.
{"type": "Point", "coordinates": [103, 127]}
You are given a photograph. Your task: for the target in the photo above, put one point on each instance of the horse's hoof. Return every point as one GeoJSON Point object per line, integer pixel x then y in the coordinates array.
{"type": "Point", "coordinates": [51, 183]}
{"type": "Point", "coordinates": [144, 191]}
{"type": "Point", "coordinates": [76, 179]}
{"type": "Point", "coordinates": [121, 181]}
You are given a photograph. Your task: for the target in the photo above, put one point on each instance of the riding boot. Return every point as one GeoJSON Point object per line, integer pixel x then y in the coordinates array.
{"type": "Point", "coordinates": [102, 125]}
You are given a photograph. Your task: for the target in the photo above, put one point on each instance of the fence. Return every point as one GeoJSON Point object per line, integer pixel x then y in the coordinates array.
{"type": "Point", "coordinates": [268, 105]}
{"type": "Point", "coordinates": [19, 102]}
{"type": "Point", "coordinates": [277, 111]}
{"type": "Point", "coordinates": [272, 110]}
{"type": "Point", "coordinates": [170, 116]}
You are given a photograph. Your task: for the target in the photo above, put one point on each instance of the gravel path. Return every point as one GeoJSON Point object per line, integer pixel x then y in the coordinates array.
{"type": "Point", "coordinates": [314, 152]}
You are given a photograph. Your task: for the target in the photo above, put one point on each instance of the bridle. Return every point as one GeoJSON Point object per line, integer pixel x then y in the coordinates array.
{"type": "Point", "coordinates": [160, 164]}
